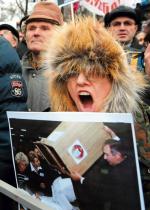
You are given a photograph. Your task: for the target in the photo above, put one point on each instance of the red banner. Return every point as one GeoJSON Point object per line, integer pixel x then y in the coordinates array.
{"type": "Point", "coordinates": [100, 7]}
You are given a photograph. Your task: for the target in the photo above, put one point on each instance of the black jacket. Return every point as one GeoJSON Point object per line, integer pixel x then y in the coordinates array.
{"type": "Point", "coordinates": [13, 95]}
{"type": "Point", "coordinates": [45, 175]}
{"type": "Point", "coordinates": [109, 187]}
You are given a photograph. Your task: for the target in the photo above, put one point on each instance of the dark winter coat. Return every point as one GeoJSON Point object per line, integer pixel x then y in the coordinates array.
{"type": "Point", "coordinates": [13, 96]}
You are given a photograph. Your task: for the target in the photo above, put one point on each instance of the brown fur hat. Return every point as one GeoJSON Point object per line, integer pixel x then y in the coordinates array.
{"type": "Point", "coordinates": [85, 46]}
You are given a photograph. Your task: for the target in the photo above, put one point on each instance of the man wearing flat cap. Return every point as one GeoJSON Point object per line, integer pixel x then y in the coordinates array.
{"type": "Point", "coordinates": [123, 22]}
{"type": "Point", "coordinates": [45, 17]}
{"type": "Point", "coordinates": [10, 33]}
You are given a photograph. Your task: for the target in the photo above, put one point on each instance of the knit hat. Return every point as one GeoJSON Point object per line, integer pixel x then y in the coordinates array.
{"type": "Point", "coordinates": [10, 28]}
{"type": "Point", "coordinates": [85, 46]}
{"type": "Point", "coordinates": [46, 11]}
{"type": "Point", "coordinates": [121, 11]}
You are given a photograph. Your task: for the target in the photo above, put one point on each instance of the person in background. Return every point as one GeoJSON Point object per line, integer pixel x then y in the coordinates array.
{"type": "Point", "coordinates": [124, 23]}
{"type": "Point", "coordinates": [10, 33]}
{"type": "Point", "coordinates": [22, 46]}
{"type": "Point", "coordinates": [146, 26]}
{"type": "Point", "coordinates": [147, 48]}
{"type": "Point", "coordinates": [13, 97]}
{"type": "Point", "coordinates": [38, 28]}
{"type": "Point", "coordinates": [146, 61]}
{"type": "Point", "coordinates": [140, 37]}
{"type": "Point", "coordinates": [89, 72]}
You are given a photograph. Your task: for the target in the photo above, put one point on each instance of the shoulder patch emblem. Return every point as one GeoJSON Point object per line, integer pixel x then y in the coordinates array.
{"type": "Point", "coordinates": [17, 88]}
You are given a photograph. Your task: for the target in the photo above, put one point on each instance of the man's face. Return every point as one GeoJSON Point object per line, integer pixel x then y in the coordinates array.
{"type": "Point", "coordinates": [9, 36]}
{"type": "Point", "coordinates": [36, 162]}
{"type": "Point", "coordinates": [37, 34]}
{"type": "Point", "coordinates": [88, 94]}
{"type": "Point", "coordinates": [112, 159]}
{"type": "Point", "coordinates": [140, 37]}
{"type": "Point", "coordinates": [37, 152]}
{"type": "Point", "coordinates": [123, 29]}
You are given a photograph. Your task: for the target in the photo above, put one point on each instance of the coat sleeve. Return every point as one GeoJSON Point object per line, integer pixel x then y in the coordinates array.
{"type": "Point", "coordinates": [13, 91]}
{"type": "Point", "coordinates": [13, 95]}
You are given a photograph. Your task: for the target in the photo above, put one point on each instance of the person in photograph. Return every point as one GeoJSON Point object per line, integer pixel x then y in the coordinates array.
{"type": "Point", "coordinates": [40, 156]}
{"type": "Point", "coordinates": [89, 72]}
{"type": "Point", "coordinates": [116, 187]}
{"type": "Point", "coordinates": [22, 162]}
{"type": "Point", "coordinates": [40, 178]}
{"type": "Point", "coordinates": [120, 160]}
{"type": "Point", "coordinates": [48, 185]}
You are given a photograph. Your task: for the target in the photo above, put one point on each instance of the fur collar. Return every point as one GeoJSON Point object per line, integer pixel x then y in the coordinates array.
{"type": "Point", "coordinates": [85, 46]}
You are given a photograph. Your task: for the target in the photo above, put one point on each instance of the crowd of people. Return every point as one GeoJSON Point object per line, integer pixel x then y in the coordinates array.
{"type": "Point", "coordinates": [42, 181]}
{"type": "Point", "coordinates": [82, 65]}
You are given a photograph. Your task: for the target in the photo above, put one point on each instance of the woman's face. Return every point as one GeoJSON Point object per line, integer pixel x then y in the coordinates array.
{"type": "Point", "coordinates": [89, 93]}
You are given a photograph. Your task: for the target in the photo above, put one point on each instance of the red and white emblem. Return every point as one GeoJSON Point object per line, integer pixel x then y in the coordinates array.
{"type": "Point", "coordinates": [16, 88]}
{"type": "Point", "coordinates": [77, 151]}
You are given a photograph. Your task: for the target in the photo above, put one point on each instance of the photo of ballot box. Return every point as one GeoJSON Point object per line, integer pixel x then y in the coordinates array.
{"type": "Point", "coordinates": [74, 146]}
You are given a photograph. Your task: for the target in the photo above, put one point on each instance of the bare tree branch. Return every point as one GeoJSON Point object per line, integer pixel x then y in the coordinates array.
{"type": "Point", "coordinates": [23, 9]}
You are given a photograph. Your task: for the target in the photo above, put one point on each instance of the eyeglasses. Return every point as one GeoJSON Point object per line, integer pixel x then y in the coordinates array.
{"type": "Point", "coordinates": [125, 23]}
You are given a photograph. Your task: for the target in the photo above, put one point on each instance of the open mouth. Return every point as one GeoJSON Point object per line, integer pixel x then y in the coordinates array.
{"type": "Point", "coordinates": [86, 99]}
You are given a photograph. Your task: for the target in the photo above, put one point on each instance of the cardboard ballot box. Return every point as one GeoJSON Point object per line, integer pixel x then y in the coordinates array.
{"type": "Point", "coordinates": [74, 146]}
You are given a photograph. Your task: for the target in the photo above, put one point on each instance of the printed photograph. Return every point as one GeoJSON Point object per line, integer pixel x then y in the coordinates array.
{"type": "Point", "coordinates": [72, 163]}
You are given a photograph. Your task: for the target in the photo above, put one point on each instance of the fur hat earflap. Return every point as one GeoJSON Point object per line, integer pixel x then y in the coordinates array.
{"type": "Point", "coordinates": [86, 46]}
